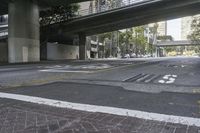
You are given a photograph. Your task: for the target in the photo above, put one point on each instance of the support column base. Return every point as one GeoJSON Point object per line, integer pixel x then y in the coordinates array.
{"type": "Point", "coordinates": [23, 50]}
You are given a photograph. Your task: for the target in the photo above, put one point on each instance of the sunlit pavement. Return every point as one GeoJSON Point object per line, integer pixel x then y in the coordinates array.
{"type": "Point", "coordinates": [162, 86]}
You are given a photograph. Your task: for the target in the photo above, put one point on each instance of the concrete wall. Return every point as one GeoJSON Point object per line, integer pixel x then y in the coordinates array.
{"type": "Point", "coordinates": [61, 51]}
{"type": "Point", "coordinates": [3, 52]}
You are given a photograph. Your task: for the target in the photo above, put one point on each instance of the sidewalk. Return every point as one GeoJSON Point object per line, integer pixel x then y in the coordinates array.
{"type": "Point", "coordinates": [22, 117]}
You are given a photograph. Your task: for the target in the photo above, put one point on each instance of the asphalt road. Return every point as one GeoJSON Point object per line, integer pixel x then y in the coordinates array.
{"type": "Point", "coordinates": [54, 81]}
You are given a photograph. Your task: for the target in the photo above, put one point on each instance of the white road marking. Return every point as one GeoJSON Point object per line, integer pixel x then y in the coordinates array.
{"type": "Point", "coordinates": [165, 77]}
{"type": "Point", "coordinates": [64, 71]}
{"type": "Point", "coordinates": [161, 81]}
{"type": "Point", "coordinates": [182, 66]}
{"type": "Point", "coordinates": [103, 109]}
{"type": "Point", "coordinates": [169, 82]}
{"type": "Point", "coordinates": [168, 79]}
{"type": "Point", "coordinates": [175, 76]}
{"type": "Point", "coordinates": [172, 79]}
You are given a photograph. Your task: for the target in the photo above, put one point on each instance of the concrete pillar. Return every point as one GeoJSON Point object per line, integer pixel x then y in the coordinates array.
{"type": "Point", "coordinates": [24, 31]}
{"type": "Point", "coordinates": [157, 52]}
{"type": "Point", "coordinates": [82, 46]}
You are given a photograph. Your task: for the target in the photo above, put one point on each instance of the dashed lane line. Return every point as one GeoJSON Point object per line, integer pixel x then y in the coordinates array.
{"type": "Point", "coordinates": [103, 109]}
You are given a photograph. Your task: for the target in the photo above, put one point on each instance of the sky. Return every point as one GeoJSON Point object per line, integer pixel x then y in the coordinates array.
{"type": "Point", "coordinates": [174, 28]}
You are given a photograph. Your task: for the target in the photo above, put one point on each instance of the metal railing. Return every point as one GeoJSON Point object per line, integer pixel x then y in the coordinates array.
{"type": "Point", "coordinates": [3, 33]}
{"type": "Point", "coordinates": [105, 7]}
{"type": "Point", "coordinates": [109, 6]}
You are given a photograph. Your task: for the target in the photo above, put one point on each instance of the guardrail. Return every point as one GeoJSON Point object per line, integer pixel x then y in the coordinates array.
{"type": "Point", "coordinates": [110, 6]}
{"type": "Point", "coordinates": [105, 7]}
{"type": "Point", "coordinates": [3, 33]}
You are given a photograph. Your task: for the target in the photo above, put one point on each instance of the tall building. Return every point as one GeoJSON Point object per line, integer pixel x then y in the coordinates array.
{"type": "Point", "coordinates": [162, 28]}
{"type": "Point", "coordinates": [161, 31]}
{"type": "Point", "coordinates": [185, 27]}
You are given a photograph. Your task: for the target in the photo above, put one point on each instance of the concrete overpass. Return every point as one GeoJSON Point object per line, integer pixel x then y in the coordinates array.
{"type": "Point", "coordinates": [137, 14]}
{"type": "Point", "coordinates": [176, 43]}
{"type": "Point", "coordinates": [161, 44]}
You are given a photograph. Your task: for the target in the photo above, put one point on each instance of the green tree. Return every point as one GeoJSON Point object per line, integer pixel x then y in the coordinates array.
{"type": "Point", "coordinates": [153, 31]}
{"type": "Point", "coordinates": [195, 27]}
{"type": "Point", "coordinates": [140, 40]}
{"type": "Point", "coordinates": [58, 14]}
{"type": "Point", "coordinates": [133, 40]}
{"type": "Point", "coordinates": [195, 34]}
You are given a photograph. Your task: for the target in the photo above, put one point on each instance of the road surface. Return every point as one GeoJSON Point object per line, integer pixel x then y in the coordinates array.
{"type": "Point", "coordinates": [162, 86]}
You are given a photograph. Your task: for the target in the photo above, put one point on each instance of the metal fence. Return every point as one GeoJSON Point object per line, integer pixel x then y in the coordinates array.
{"type": "Point", "coordinates": [3, 33]}
{"type": "Point", "coordinates": [106, 6]}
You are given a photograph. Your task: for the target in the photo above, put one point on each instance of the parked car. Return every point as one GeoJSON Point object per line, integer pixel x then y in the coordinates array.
{"type": "Point", "coordinates": [126, 56]}
{"type": "Point", "coordinates": [133, 55]}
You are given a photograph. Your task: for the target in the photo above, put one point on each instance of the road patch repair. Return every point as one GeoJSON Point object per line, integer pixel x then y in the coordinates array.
{"type": "Point", "coordinates": [103, 109]}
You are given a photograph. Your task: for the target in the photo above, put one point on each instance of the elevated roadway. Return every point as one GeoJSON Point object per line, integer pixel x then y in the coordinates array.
{"type": "Point", "coordinates": [176, 43]}
{"type": "Point", "coordinates": [133, 15]}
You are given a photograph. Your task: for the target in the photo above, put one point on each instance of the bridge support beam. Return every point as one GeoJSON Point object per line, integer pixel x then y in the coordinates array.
{"type": "Point", "coordinates": [82, 46]}
{"type": "Point", "coordinates": [24, 31]}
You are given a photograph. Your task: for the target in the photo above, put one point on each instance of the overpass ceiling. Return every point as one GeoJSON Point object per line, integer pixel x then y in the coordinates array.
{"type": "Point", "coordinates": [42, 4]}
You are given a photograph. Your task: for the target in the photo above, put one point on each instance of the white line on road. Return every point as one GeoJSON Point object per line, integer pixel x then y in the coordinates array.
{"type": "Point", "coordinates": [103, 109]}
{"type": "Point", "coordinates": [64, 71]}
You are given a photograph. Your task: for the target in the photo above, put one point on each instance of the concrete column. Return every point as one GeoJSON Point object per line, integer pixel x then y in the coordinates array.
{"type": "Point", "coordinates": [157, 52]}
{"type": "Point", "coordinates": [24, 31]}
{"type": "Point", "coordinates": [82, 46]}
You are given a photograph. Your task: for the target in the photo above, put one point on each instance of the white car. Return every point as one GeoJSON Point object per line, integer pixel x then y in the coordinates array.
{"type": "Point", "coordinates": [126, 56]}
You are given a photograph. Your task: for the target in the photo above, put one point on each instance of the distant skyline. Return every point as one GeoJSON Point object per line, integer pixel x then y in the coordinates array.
{"type": "Point", "coordinates": [174, 28]}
